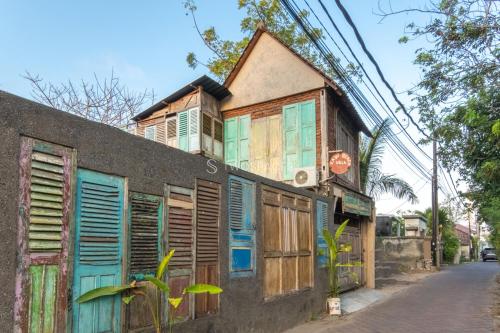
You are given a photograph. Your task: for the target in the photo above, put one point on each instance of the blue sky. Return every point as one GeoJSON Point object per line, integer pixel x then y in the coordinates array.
{"type": "Point", "coordinates": [146, 44]}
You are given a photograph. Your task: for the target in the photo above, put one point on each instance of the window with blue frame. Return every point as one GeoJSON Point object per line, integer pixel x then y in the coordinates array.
{"type": "Point", "coordinates": [241, 227]}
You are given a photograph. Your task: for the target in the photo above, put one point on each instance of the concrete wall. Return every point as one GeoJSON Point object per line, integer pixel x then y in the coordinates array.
{"type": "Point", "coordinates": [148, 166]}
{"type": "Point", "coordinates": [394, 255]}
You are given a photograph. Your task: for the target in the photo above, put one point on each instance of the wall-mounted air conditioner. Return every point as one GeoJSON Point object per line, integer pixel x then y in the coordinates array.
{"type": "Point", "coordinates": [305, 177]}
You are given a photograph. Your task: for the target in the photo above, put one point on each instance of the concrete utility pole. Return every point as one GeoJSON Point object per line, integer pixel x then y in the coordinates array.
{"type": "Point", "coordinates": [435, 208]}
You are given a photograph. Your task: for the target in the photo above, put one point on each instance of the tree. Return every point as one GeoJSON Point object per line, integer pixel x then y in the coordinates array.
{"type": "Point", "coordinates": [269, 13]}
{"type": "Point", "coordinates": [373, 181]}
{"type": "Point", "coordinates": [458, 97]}
{"type": "Point", "coordinates": [106, 101]}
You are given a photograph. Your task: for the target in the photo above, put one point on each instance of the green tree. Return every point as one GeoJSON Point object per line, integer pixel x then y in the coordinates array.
{"type": "Point", "coordinates": [458, 97]}
{"type": "Point", "coordinates": [373, 181]}
{"type": "Point", "coordinates": [269, 13]}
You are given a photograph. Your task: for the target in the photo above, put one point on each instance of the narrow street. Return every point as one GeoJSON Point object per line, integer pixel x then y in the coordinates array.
{"type": "Point", "coordinates": [458, 299]}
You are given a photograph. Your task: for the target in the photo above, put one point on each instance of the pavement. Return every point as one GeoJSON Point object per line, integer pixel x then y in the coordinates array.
{"type": "Point", "coordinates": [458, 299]}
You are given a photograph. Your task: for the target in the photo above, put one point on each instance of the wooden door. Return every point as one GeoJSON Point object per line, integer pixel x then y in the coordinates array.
{"type": "Point", "coordinates": [350, 277]}
{"type": "Point", "coordinates": [43, 237]}
{"type": "Point", "coordinates": [98, 250]}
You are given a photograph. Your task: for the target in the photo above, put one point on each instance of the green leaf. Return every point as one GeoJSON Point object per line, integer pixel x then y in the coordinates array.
{"type": "Point", "coordinates": [103, 291]}
{"type": "Point", "coordinates": [202, 288]}
{"type": "Point", "coordinates": [353, 264]}
{"type": "Point", "coordinates": [163, 265]}
{"type": "Point", "coordinates": [345, 248]}
{"type": "Point", "coordinates": [175, 301]}
{"type": "Point", "coordinates": [340, 230]}
{"type": "Point", "coordinates": [160, 284]}
{"type": "Point", "coordinates": [128, 299]}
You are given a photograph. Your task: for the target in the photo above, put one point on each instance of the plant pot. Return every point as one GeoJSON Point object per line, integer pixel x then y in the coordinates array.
{"type": "Point", "coordinates": [333, 304]}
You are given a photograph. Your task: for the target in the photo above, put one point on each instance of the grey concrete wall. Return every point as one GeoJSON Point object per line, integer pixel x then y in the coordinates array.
{"type": "Point", "coordinates": [394, 255]}
{"type": "Point", "coordinates": [148, 166]}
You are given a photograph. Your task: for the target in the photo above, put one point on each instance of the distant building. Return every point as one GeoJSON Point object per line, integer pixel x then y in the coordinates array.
{"type": "Point", "coordinates": [463, 235]}
{"type": "Point", "coordinates": [385, 223]}
{"type": "Point", "coordinates": [415, 225]}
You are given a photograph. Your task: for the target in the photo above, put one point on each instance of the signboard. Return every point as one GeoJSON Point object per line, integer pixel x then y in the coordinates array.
{"type": "Point", "coordinates": [356, 205]}
{"type": "Point", "coordinates": [339, 163]}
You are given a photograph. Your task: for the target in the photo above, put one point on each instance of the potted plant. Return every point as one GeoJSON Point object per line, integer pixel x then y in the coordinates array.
{"type": "Point", "coordinates": [132, 290]}
{"type": "Point", "coordinates": [334, 247]}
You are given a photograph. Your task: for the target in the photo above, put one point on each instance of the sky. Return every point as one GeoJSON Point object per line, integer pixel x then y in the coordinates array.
{"type": "Point", "coordinates": [145, 44]}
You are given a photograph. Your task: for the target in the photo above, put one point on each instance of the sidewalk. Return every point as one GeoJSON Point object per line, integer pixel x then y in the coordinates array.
{"type": "Point", "coordinates": [361, 299]}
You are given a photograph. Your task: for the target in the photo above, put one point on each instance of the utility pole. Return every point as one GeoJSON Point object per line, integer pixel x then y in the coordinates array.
{"type": "Point", "coordinates": [435, 208]}
{"type": "Point", "coordinates": [470, 235]}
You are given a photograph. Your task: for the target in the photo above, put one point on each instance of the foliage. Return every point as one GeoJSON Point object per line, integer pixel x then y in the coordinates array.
{"type": "Point", "coordinates": [334, 248]}
{"type": "Point", "coordinates": [135, 290]}
{"type": "Point", "coordinates": [449, 239]}
{"type": "Point", "coordinates": [373, 181]}
{"type": "Point", "coordinates": [103, 100]}
{"type": "Point", "coordinates": [269, 13]}
{"type": "Point", "coordinates": [458, 96]}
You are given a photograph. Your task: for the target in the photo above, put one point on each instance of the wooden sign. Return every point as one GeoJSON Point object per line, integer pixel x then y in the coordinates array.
{"type": "Point", "coordinates": [340, 162]}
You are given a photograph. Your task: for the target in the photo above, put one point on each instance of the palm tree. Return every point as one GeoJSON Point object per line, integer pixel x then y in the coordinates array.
{"type": "Point", "coordinates": [373, 181]}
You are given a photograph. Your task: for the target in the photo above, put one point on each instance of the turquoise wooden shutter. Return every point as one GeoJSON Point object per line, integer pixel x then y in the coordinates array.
{"type": "Point", "coordinates": [321, 224]}
{"type": "Point", "coordinates": [243, 142]}
{"type": "Point", "coordinates": [230, 141]}
{"type": "Point", "coordinates": [290, 140]}
{"type": "Point", "coordinates": [307, 134]}
{"type": "Point", "coordinates": [98, 250]}
{"type": "Point", "coordinates": [194, 130]}
{"type": "Point", "coordinates": [182, 130]}
{"type": "Point", "coordinates": [241, 227]}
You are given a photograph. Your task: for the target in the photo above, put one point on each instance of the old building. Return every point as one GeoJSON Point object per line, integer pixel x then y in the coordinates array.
{"type": "Point", "coordinates": [415, 225]}
{"type": "Point", "coordinates": [463, 235]}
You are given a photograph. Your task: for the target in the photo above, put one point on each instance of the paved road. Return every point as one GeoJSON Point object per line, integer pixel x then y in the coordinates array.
{"type": "Point", "coordinates": [459, 299]}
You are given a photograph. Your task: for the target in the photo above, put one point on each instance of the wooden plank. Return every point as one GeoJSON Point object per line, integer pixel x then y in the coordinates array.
{"type": "Point", "coordinates": [272, 277]}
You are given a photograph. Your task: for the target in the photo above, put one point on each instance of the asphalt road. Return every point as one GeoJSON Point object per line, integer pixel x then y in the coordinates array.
{"type": "Point", "coordinates": [458, 299]}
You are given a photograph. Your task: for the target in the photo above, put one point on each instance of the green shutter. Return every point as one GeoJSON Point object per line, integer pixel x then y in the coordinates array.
{"type": "Point", "coordinates": [307, 134]}
{"type": "Point", "coordinates": [290, 140]}
{"type": "Point", "coordinates": [230, 141]}
{"type": "Point", "coordinates": [182, 131]}
{"type": "Point", "coordinates": [194, 129]}
{"type": "Point", "coordinates": [243, 143]}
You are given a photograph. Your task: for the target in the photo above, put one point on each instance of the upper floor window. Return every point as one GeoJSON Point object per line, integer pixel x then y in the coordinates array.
{"type": "Point", "coordinates": [150, 132]}
{"type": "Point", "coordinates": [345, 142]}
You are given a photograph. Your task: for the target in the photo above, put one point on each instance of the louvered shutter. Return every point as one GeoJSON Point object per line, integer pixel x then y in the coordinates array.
{"type": "Point", "coordinates": [145, 216]}
{"type": "Point", "coordinates": [98, 249]}
{"type": "Point", "coordinates": [182, 130]}
{"type": "Point", "coordinates": [43, 233]}
{"type": "Point", "coordinates": [259, 147]}
{"type": "Point", "coordinates": [207, 140]}
{"type": "Point", "coordinates": [244, 142]}
{"type": "Point", "coordinates": [181, 238]}
{"type": "Point", "coordinates": [218, 139]}
{"type": "Point", "coordinates": [231, 141]}
{"type": "Point", "coordinates": [150, 132]}
{"type": "Point", "coordinates": [321, 224]}
{"type": "Point", "coordinates": [207, 243]}
{"type": "Point", "coordinates": [171, 124]}
{"type": "Point", "coordinates": [290, 140]}
{"type": "Point", "coordinates": [307, 134]}
{"type": "Point", "coordinates": [194, 130]}
{"type": "Point", "coordinates": [241, 226]}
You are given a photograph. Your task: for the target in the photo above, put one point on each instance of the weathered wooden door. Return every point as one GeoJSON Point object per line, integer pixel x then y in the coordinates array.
{"type": "Point", "coordinates": [350, 277]}
{"type": "Point", "coordinates": [43, 237]}
{"type": "Point", "coordinates": [98, 250]}
{"type": "Point", "coordinates": [266, 147]}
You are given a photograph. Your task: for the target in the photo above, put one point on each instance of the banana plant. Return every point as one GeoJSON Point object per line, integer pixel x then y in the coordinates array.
{"type": "Point", "coordinates": [334, 248]}
{"type": "Point", "coordinates": [133, 290]}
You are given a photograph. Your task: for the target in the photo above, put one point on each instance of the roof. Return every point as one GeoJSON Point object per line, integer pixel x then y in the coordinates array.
{"type": "Point", "coordinates": [336, 88]}
{"type": "Point", "coordinates": [209, 85]}
{"type": "Point", "coordinates": [462, 228]}
{"type": "Point", "coordinates": [414, 216]}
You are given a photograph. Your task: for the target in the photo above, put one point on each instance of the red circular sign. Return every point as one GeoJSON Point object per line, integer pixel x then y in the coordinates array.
{"type": "Point", "coordinates": [340, 163]}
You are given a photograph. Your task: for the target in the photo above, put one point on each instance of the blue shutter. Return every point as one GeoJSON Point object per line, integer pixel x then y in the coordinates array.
{"type": "Point", "coordinates": [241, 227]}
{"type": "Point", "coordinates": [231, 141]}
{"type": "Point", "coordinates": [307, 134]}
{"type": "Point", "coordinates": [290, 140]}
{"type": "Point", "coordinates": [321, 224]}
{"type": "Point", "coordinates": [182, 131]}
{"type": "Point", "coordinates": [243, 143]}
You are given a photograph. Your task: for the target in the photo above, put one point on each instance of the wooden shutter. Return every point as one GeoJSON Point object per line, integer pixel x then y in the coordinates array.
{"type": "Point", "coordinates": [241, 226]}
{"type": "Point", "coordinates": [243, 142]}
{"type": "Point", "coordinates": [259, 147]}
{"type": "Point", "coordinates": [231, 141]}
{"type": "Point", "coordinates": [307, 127]}
{"type": "Point", "coordinates": [218, 139]}
{"type": "Point", "coordinates": [98, 249]}
{"type": "Point", "coordinates": [237, 141]}
{"type": "Point", "coordinates": [182, 130]}
{"type": "Point", "coordinates": [275, 155]}
{"type": "Point", "coordinates": [207, 243]}
{"type": "Point", "coordinates": [290, 140]}
{"type": "Point", "coordinates": [266, 149]}
{"type": "Point", "coordinates": [181, 239]}
{"type": "Point", "coordinates": [171, 125]}
{"type": "Point", "coordinates": [272, 241]}
{"type": "Point", "coordinates": [194, 130]}
{"type": "Point", "coordinates": [321, 224]}
{"type": "Point", "coordinates": [207, 140]}
{"type": "Point", "coordinates": [43, 234]}
{"type": "Point", "coordinates": [150, 132]}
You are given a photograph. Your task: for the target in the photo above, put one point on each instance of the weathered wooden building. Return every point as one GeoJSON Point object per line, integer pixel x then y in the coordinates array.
{"type": "Point", "coordinates": [283, 118]}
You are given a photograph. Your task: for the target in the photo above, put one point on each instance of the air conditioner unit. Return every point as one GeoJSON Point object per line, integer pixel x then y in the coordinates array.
{"type": "Point", "coordinates": [305, 177]}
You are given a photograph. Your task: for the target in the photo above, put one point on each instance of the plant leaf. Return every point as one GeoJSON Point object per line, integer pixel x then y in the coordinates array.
{"type": "Point", "coordinates": [175, 301]}
{"type": "Point", "coordinates": [128, 299]}
{"type": "Point", "coordinates": [103, 291]}
{"type": "Point", "coordinates": [202, 288]}
{"type": "Point", "coordinates": [163, 265]}
{"type": "Point", "coordinates": [345, 247]}
{"type": "Point", "coordinates": [160, 284]}
{"type": "Point", "coordinates": [340, 230]}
